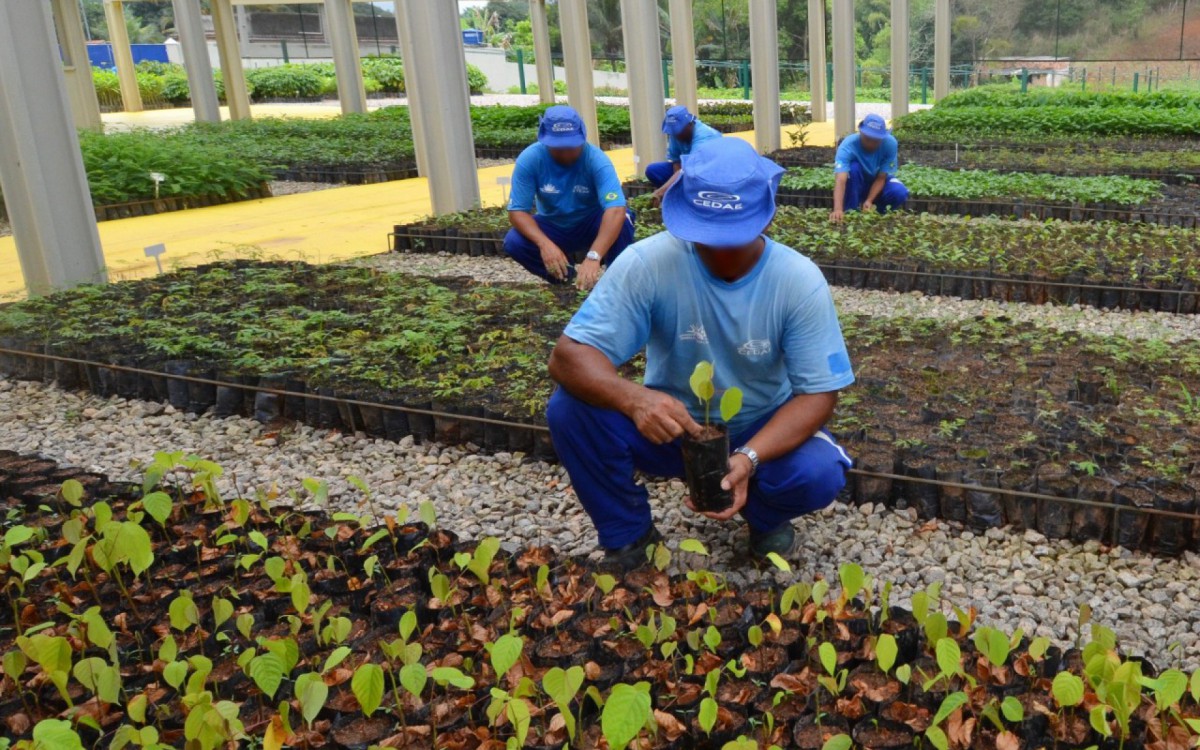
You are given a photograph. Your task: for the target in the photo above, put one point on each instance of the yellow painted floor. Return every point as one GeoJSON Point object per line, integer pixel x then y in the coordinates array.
{"type": "Point", "coordinates": [318, 227]}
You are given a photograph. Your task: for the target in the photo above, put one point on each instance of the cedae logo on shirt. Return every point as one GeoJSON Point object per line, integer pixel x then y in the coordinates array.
{"type": "Point", "coordinates": [755, 348]}
{"type": "Point", "coordinates": [563, 127]}
{"type": "Point", "coordinates": [551, 188]}
{"type": "Point", "coordinates": [583, 189]}
{"type": "Point", "coordinates": [718, 200]}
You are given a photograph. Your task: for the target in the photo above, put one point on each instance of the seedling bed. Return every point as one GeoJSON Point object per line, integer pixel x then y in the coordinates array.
{"type": "Point", "coordinates": [982, 401]}
{"type": "Point", "coordinates": [167, 614]}
{"type": "Point", "coordinates": [1105, 265]}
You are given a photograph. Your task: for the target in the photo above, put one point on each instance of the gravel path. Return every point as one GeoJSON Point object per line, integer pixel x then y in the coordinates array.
{"type": "Point", "coordinates": [291, 187]}
{"type": "Point", "coordinates": [1139, 325]}
{"type": "Point", "coordinates": [1015, 580]}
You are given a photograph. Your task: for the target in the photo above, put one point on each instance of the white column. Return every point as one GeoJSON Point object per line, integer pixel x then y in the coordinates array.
{"type": "Point", "coordinates": [643, 68]}
{"type": "Point", "coordinates": [406, 56]}
{"type": "Point", "coordinates": [764, 72]}
{"type": "Point", "coordinates": [195, 59]}
{"type": "Point", "coordinates": [541, 50]}
{"type": "Point", "coordinates": [816, 60]}
{"type": "Point", "coordinates": [941, 49]}
{"type": "Point", "coordinates": [243, 26]}
{"type": "Point", "coordinates": [683, 54]}
{"type": "Point", "coordinates": [437, 73]}
{"type": "Point", "coordinates": [900, 32]}
{"type": "Point", "coordinates": [41, 170]}
{"type": "Point", "coordinates": [76, 67]}
{"type": "Point", "coordinates": [226, 27]}
{"type": "Point", "coordinates": [118, 37]}
{"type": "Point", "coordinates": [577, 54]}
{"type": "Point", "coordinates": [343, 36]}
{"type": "Point", "coordinates": [843, 67]}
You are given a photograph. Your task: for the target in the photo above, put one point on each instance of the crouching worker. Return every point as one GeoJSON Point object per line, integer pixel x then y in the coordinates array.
{"type": "Point", "coordinates": [581, 214]}
{"type": "Point", "coordinates": [710, 288]}
{"type": "Point", "coordinates": [684, 132]}
{"type": "Point", "coordinates": [865, 171]}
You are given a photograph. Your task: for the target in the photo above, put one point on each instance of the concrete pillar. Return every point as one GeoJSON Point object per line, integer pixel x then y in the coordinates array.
{"type": "Point", "coordinates": [683, 54]}
{"type": "Point", "coordinates": [900, 34]}
{"type": "Point", "coordinates": [118, 37]}
{"type": "Point", "coordinates": [230, 51]}
{"type": "Point", "coordinates": [76, 68]}
{"type": "Point", "coordinates": [764, 72]}
{"type": "Point", "coordinates": [577, 54]}
{"type": "Point", "coordinates": [195, 59]}
{"type": "Point", "coordinates": [816, 60]}
{"type": "Point", "coordinates": [541, 50]}
{"type": "Point", "coordinates": [242, 13]}
{"type": "Point", "coordinates": [41, 170]}
{"type": "Point", "coordinates": [941, 49]}
{"type": "Point", "coordinates": [437, 73]}
{"type": "Point", "coordinates": [342, 35]}
{"type": "Point", "coordinates": [643, 65]}
{"type": "Point", "coordinates": [843, 67]}
{"type": "Point", "coordinates": [406, 56]}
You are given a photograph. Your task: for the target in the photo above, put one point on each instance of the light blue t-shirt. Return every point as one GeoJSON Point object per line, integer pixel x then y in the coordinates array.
{"type": "Point", "coordinates": [884, 159]}
{"type": "Point", "coordinates": [773, 333]}
{"type": "Point", "coordinates": [565, 196]}
{"type": "Point", "coordinates": [677, 149]}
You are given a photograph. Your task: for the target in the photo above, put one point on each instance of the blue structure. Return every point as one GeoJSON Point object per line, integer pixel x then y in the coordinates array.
{"type": "Point", "coordinates": [100, 54]}
{"type": "Point", "coordinates": [473, 38]}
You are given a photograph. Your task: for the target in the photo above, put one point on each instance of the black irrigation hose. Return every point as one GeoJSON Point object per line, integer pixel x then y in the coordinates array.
{"type": "Point", "coordinates": [544, 429]}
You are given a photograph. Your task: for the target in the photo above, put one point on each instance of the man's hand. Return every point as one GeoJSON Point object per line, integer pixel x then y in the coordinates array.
{"type": "Point", "coordinates": [868, 206]}
{"type": "Point", "coordinates": [661, 418]}
{"type": "Point", "coordinates": [555, 260]}
{"type": "Point", "coordinates": [736, 481]}
{"type": "Point", "coordinates": [589, 274]}
{"type": "Point", "coordinates": [657, 196]}
{"type": "Point", "coordinates": [837, 216]}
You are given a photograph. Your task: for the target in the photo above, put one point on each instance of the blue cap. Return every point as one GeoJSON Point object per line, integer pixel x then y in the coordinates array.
{"type": "Point", "coordinates": [726, 196]}
{"type": "Point", "coordinates": [873, 126]}
{"type": "Point", "coordinates": [561, 127]}
{"type": "Point", "coordinates": [677, 119]}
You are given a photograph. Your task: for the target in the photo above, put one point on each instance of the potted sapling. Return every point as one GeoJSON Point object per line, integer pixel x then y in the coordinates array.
{"type": "Point", "coordinates": [706, 456]}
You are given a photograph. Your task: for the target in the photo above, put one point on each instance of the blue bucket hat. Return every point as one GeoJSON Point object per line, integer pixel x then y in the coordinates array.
{"type": "Point", "coordinates": [726, 196]}
{"type": "Point", "coordinates": [561, 127]}
{"type": "Point", "coordinates": [677, 119]}
{"type": "Point", "coordinates": [873, 126]}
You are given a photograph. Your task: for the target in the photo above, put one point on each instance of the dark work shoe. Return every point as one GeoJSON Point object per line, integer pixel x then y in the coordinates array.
{"type": "Point", "coordinates": [633, 555]}
{"type": "Point", "coordinates": [779, 540]}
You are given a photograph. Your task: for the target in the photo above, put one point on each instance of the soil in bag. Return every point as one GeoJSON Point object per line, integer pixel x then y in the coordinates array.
{"type": "Point", "coordinates": [705, 464]}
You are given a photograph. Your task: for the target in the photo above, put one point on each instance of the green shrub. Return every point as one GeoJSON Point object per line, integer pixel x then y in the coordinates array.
{"type": "Point", "coordinates": [329, 86]}
{"type": "Point", "coordinates": [150, 87]}
{"type": "Point", "coordinates": [476, 80]}
{"type": "Point", "coordinates": [176, 89]}
{"type": "Point", "coordinates": [960, 123]}
{"type": "Point", "coordinates": [108, 85]}
{"type": "Point", "coordinates": [371, 86]}
{"type": "Point", "coordinates": [156, 68]}
{"type": "Point", "coordinates": [389, 71]}
{"type": "Point", "coordinates": [286, 82]}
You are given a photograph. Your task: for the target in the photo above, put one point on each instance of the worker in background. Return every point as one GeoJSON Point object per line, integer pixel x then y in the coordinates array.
{"type": "Point", "coordinates": [865, 171]}
{"type": "Point", "coordinates": [684, 132]}
{"type": "Point", "coordinates": [712, 287]}
{"type": "Point", "coordinates": [581, 213]}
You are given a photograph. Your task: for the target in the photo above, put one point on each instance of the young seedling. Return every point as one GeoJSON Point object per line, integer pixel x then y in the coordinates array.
{"type": "Point", "coordinates": [701, 383]}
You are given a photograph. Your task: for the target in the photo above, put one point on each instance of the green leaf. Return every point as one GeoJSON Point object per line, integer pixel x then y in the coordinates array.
{"type": "Point", "coordinates": [694, 546]}
{"type": "Point", "coordinates": [1067, 689]}
{"type": "Point", "coordinates": [852, 578]}
{"type": "Point", "coordinates": [98, 631]}
{"type": "Point", "coordinates": [174, 673]}
{"type": "Point", "coordinates": [427, 513]}
{"type": "Point", "coordinates": [505, 653]}
{"type": "Point", "coordinates": [701, 381]}
{"type": "Point", "coordinates": [183, 613]}
{"type": "Point", "coordinates": [368, 687]}
{"type": "Point", "coordinates": [137, 708]}
{"type": "Point", "coordinates": [159, 506]}
{"type": "Point", "coordinates": [267, 671]}
{"type": "Point", "coordinates": [838, 742]}
{"type": "Point", "coordinates": [414, 677]}
{"type": "Point", "coordinates": [452, 676]}
{"type": "Point", "coordinates": [245, 624]}
{"type": "Point", "coordinates": [707, 717]}
{"type": "Point", "coordinates": [1013, 710]}
{"type": "Point", "coordinates": [1172, 684]}
{"type": "Point", "coordinates": [1038, 646]}
{"type": "Point", "coordinates": [949, 656]}
{"type": "Point", "coordinates": [828, 655]}
{"type": "Point", "coordinates": [312, 692]}
{"type": "Point", "coordinates": [17, 535]}
{"type": "Point", "coordinates": [731, 404]}
{"type": "Point", "coordinates": [55, 734]}
{"type": "Point", "coordinates": [72, 492]}
{"type": "Point", "coordinates": [222, 611]}
{"type": "Point", "coordinates": [779, 562]}
{"type": "Point", "coordinates": [904, 673]}
{"type": "Point", "coordinates": [886, 651]}
{"type": "Point", "coordinates": [950, 704]}
{"type": "Point", "coordinates": [937, 738]}
{"type": "Point", "coordinates": [338, 656]}
{"type": "Point", "coordinates": [625, 713]}
{"type": "Point", "coordinates": [1098, 718]}
{"type": "Point", "coordinates": [373, 539]}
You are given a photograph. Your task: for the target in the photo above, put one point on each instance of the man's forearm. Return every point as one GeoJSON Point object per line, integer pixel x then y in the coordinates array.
{"type": "Point", "coordinates": [794, 422]}
{"type": "Point", "coordinates": [839, 190]}
{"type": "Point", "coordinates": [524, 223]}
{"type": "Point", "coordinates": [610, 229]}
{"type": "Point", "coordinates": [588, 375]}
{"type": "Point", "coordinates": [877, 187]}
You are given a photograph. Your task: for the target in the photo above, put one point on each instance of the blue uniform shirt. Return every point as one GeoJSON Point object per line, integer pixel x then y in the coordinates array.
{"type": "Point", "coordinates": [676, 149]}
{"type": "Point", "coordinates": [773, 333]}
{"type": "Point", "coordinates": [884, 159]}
{"type": "Point", "coordinates": [565, 196]}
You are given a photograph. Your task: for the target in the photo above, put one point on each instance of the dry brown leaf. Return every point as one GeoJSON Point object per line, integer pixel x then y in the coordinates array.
{"type": "Point", "coordinates": [18, 723]}
{"type": "Point", "coordinates": [1007, 741]}
{"type": "Point", "coordinates": [660, 587]}
{"type": "Point", "coordinates": [789, 682]}
{"type": "Point", "coordinates": [698, 613]}
{"type": "Point", "coordinates": [670, 726]}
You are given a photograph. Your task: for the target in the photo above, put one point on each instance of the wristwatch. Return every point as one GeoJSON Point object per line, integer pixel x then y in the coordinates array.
{"type": "Point", "coordinates": [751, 454]}
{"type": "Point", "coordinates": [593, 255]}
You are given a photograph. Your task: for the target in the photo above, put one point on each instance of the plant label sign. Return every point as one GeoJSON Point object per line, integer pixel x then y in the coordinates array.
{"type": "Point", "coordinates": [156, 252]}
